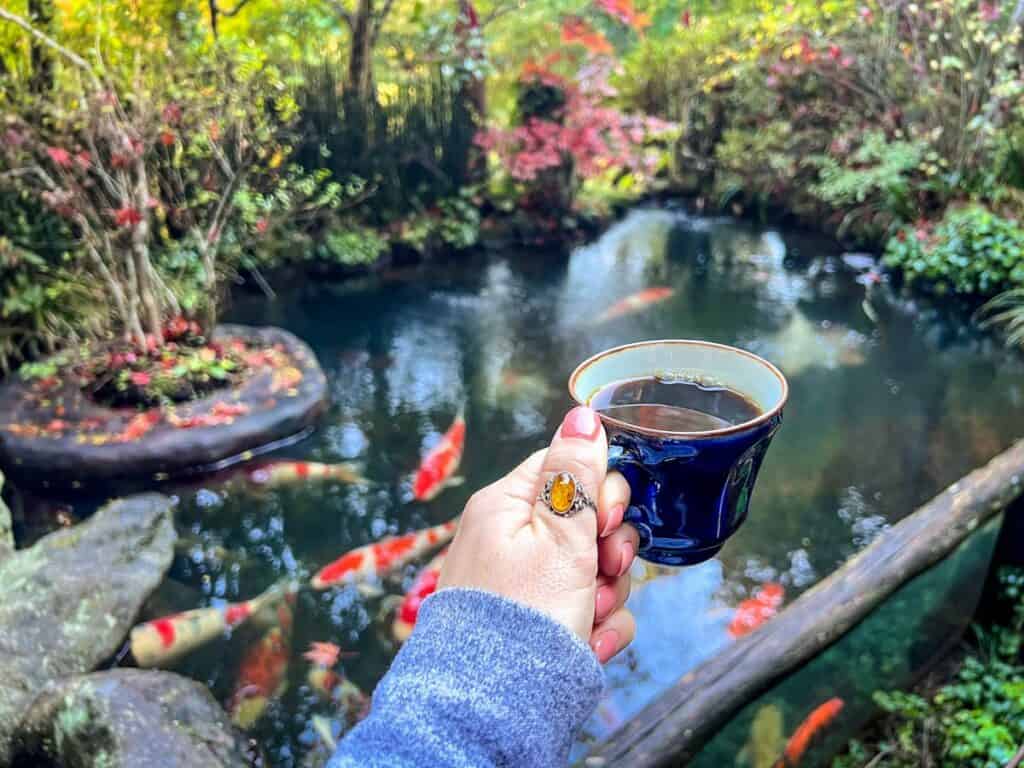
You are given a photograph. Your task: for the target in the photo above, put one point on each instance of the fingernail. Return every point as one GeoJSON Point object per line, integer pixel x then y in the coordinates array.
{"type": "Point", "coordinates": [627, 557]}
{"type": "Point", "coordinates": [614, 519]}
{"type": "Point", "coordinates": [581, 422]}
{"type": "Point", "coordinates": [604, 602]}
{"type": "Point", "coordinates": [606, 644]}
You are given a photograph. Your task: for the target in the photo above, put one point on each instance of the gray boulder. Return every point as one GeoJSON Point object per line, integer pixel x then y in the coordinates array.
{"type": "Point", "coordinates": [129, 718]}
{"type": "Point", "coordinates": [67, 602]}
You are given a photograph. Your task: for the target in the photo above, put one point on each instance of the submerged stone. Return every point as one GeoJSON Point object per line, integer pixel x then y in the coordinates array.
{"type": "Point", "coordinates": [126, 718]}
{"type": "Point", "coordinates": [67, 602]}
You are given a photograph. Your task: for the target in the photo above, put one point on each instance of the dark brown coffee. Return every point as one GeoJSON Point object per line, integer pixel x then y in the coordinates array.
{"type": "Point", "coordinates": [674, 404]}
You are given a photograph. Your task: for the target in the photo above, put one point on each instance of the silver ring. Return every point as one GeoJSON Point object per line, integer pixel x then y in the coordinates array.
{"type": "Point", "coordinates": [563, 494]}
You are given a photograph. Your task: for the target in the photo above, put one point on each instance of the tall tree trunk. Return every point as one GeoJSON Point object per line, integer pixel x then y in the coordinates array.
{"type": "Point", "coordinates": [360, 84]}
{"type": "Point", "coordinates": [214, 12]}
{"type": "Point", "coordinates": [40, 12]}
{"type": "Point", "coordinates": [470, 101]}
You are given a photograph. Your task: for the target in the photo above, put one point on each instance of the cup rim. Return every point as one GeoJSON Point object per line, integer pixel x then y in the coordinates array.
{"type": "Point", "coordinates": [625, 425]}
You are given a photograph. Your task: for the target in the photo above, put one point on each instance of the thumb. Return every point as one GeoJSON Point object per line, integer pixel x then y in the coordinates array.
{"type": "Point", "coordinates": [575, 464]}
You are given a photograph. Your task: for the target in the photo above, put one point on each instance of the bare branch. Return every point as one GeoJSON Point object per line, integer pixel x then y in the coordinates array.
{"type": "Point", "coordinates": [378, 23]}
{"type": "Point", "coordinates": [70, 55]}
{"type": "Point", "coordinates": [234, 11]}
{"type": "Point", "coordinates": [342, 12]}
{"type": "Point", "coordinates": [497, 13]}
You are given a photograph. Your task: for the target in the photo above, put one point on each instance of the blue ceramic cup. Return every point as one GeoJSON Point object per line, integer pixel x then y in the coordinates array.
{"type": "Point", "coordinates": [689, 490]}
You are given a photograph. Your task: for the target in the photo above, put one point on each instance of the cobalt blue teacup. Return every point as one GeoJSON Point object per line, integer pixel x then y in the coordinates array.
{"type": "Point", "coordinates": [689, 490]}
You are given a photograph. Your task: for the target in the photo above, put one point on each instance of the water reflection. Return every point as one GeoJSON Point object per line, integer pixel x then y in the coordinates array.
{"type": "Point", "coordinates": [883, 413]}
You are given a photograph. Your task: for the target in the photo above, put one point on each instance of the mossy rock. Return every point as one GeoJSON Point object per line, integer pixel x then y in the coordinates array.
{"type": "Point", "coordinates": [67, 602]}
{"type": "Point", "coordinates": [128, 718]}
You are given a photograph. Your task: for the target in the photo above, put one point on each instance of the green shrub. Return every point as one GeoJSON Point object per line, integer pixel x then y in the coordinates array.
{"type": "Point", "coordinates": [878, 175]}
{"type": "Point", "coordinates": [352, 246]}
{"type": "Point", "coordinates": [971, 251]}
{"type": "Point", "coordinates": [976, 720]}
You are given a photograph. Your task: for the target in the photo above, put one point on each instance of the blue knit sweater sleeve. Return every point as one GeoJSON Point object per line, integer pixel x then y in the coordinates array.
{"type": "Point", "coordinates": [483, 681]}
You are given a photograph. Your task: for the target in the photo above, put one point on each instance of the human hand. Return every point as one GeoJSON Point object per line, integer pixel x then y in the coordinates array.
{"type": "Point", "coordinates": [574, 569]}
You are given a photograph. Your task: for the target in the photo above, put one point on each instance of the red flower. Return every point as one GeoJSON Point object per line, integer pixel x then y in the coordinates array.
{"type": "Point", "coordinates": [119, 160]}
{"type": "Point", "coordinates": [262, 225]}
{"type": "Point", "coordinates": [83, 160]}
{"type": "Point", "coordinates": [127, 216]}
{"type": "Point", "coordinates": [14, 138]}
{"type": "Point", "coordinates": [59, 156]}
{"type": "Point", "coordinates": [624, 11]}
{"type": "Point", "coordinates": [834, 52]}
{"type": "Point", "coordinates": [686, 18]}
{"type": "Point", "coordinates": [139, 378]}
{"type": "Point", "coordinates": [806, 52]}
{"type": "Point", "coordinates": [576, 30]}
{"type": "Point", "coordinates": [172, 113]}
{"type": "Point", "coordinates": [867, 14]}
{"type": "Point", "coordinates": [989, 11]}
{"type": "Point", "coordinates": [167, 138]}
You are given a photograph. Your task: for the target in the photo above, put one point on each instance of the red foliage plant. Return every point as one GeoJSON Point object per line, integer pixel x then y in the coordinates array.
{"type": "Point", "coordinates": [594, 137]}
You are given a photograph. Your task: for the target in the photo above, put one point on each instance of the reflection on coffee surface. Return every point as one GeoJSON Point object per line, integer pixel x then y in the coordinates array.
{"type": "Point", "coordinates": [676, 404]}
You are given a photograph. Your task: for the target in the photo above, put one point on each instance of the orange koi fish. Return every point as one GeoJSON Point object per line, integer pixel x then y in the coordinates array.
{"type": "Point", "coordinates": [262, 675]}
{"type": "Point", "coordinates": [438, 466]}
{"type": "Point", "coordinates": [383, 557]}
{"type": "Point", "coordinates": [755, 611]}
{"type": "Point", "coordinates": [423, 587]}
{"type": "Point", "coordinates": [636, 303]}
{"type": "Point", "coordinates": [158, 642]}
{"type": "Point", "coordinates": [815, 722]}
{"type": "Point", "coordinates": [274, 474]}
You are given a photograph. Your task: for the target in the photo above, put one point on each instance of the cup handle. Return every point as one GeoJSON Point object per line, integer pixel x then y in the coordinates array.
{"type": "Point", "coordinates": [627, 460]}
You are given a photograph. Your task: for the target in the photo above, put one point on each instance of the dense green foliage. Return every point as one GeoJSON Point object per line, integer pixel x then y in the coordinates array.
{"type": "Point", "coordinates": [969, 251]}
{"type": "Point", "coordinates": [288, 134]}
{"type": "Point", "coordinates": [976, 720]}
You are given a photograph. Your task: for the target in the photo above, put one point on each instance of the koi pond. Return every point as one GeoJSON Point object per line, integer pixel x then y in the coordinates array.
{"type": "Point", "coordinates": [886, 408]}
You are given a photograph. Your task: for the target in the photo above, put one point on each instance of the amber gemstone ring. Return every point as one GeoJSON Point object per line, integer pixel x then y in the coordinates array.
{"type": "Point", "coordinates": [564, 495]}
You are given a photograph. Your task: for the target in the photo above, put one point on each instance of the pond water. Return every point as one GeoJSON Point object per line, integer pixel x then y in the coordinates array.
{"type": "Point", "coordinates": [884, 411]}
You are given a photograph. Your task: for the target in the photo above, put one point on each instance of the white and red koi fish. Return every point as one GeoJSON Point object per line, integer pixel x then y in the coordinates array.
{"type": "Point", "coordinates": [383, 557]}
{"type": "Point", "coordinates": [636, 303]}
{"type": "Point", "coordinates": [423, 587]}
{"type": "Point", "coordinates": [817, 721]}
{"type": "Point", "coordinates": [437, 468]}
{"type": "Point", "coordinates": [756, 610]}
{"type": "Point", "coordinates": [159, 642]}
{"type": "Point", "coordinates": [263, 673]}
{"type": "Point", "coordinates": [275, 474]}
